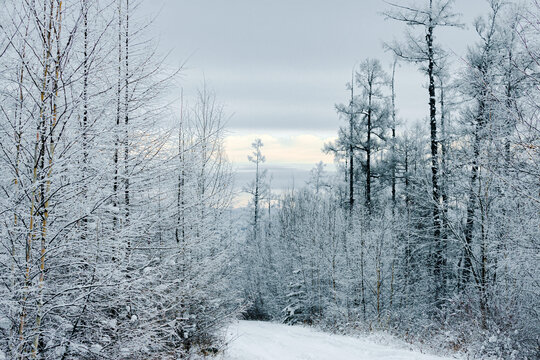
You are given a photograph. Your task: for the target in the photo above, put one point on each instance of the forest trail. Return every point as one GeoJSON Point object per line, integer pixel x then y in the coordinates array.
{"type": "Point", "coordinates": [255, 340]}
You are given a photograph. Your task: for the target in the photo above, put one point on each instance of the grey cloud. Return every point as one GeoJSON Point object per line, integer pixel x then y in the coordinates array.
{"type": "Point", "coordinates": [270, 60]}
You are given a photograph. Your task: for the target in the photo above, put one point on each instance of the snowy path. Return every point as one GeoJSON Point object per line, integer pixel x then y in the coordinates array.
{"type": "Point", "coordinates": [254, 340]}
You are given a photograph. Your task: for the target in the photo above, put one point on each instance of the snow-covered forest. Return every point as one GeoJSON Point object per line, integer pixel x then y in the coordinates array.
{"type": "Point", "coordinates": [120, 235]}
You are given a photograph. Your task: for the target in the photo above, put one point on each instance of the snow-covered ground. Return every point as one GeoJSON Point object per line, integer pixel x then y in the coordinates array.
{"type": "Point", "coordinates": [255, 340]}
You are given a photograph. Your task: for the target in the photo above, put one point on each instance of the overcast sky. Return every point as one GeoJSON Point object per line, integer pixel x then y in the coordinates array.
{"type": "Point", "coordinates": [279, 66]}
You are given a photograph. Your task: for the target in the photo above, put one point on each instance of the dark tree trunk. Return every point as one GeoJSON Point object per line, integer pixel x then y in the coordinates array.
{"type": "Point", "coordinates": [438, 255]}
{"type": "Point", "coordinates": [368, 155]}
